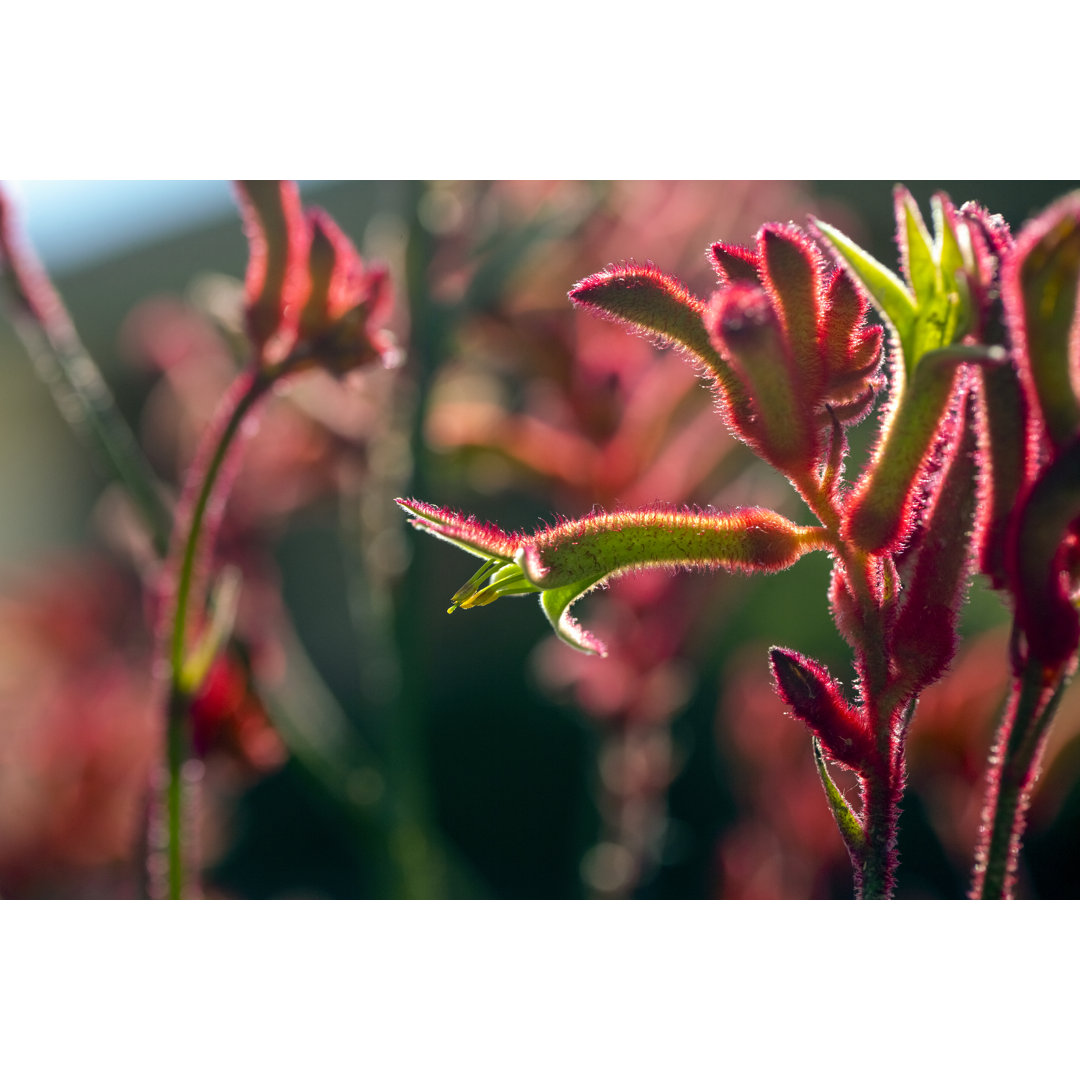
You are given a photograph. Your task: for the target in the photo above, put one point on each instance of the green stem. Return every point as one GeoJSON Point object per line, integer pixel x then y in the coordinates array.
{"type": "Point", "coordinates": [875, 871]}
{"type": "Point", "coordinates": [1014, 761]}
{"type": "Point", "coordinates": [248, 390]}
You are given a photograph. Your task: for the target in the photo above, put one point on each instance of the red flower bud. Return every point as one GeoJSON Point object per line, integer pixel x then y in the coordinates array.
{"type": "Point", "coordinates": [923, 635]}
{"type": "Point", "coordinates": [811, 693]}
{"type": "Point", "coordinates": [791, 274]}
{"type": "Point", "coordinates": [779, 422]}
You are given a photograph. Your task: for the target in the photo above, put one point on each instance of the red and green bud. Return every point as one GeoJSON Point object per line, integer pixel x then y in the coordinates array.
{"type": "Point", "coordinates": [816, 699]}
{"type": "Point", "coordinates": [923, 635]}
{"type": "Point", "coordinates": [785, 355]}
{"type": "Point", "coordinates": [746, 331]}
{"type": "Point", "coordinates": [845, 309]}
{"type": "Point", "coordinates": [571, 559]}
{"type": "Point", "coordinates": [748, 539]}
{"type": "Point", "coordinates": [791, 274]}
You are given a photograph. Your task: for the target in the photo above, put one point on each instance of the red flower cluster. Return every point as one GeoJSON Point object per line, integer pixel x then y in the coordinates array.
{"type": "Point", "coordinates": [787, 346]}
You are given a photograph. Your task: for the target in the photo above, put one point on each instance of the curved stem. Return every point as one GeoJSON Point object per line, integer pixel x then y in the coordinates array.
{"type": "Point", "coordinates": [1014, 762]}
{"type": "Point", "coordinates": [202, 486]}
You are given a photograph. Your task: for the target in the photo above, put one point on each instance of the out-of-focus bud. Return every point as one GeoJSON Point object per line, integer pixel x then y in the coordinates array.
{"type": "Point", "coordinates": [227, 715]}
{"type": "Point", "coordinates": [1039, 571]}
{"type": "Point", "coordinates": [310, 300]}
{"type": "Point", "coordinates": [1040, 284]}
{"type": "Point", "coordinates": [276, 281]}
{"type": "Point", "coordinates": [345, 299]}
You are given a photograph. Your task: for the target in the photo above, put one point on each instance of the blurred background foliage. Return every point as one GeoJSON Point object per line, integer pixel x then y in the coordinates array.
{"type": "Point", "coordinates": [380, 747]}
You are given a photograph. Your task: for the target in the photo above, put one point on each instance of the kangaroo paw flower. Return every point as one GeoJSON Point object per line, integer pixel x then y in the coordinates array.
{"type": "Point", "coordinates": [564, 562]}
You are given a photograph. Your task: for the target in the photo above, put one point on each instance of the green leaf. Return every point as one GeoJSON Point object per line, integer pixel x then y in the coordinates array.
{"type": "Point", "coordinates": [850, 826]}
{"type": "Point", "coordinates": [556, 606]}
{"type": "Point", "coordinates": [954, 254]}
{"type": "Point", "coordinates": [934, 325]}
{"type": "Point", "coordinates": [922, 270]}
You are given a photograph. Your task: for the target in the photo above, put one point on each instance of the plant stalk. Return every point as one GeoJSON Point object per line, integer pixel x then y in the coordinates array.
{"type": "Point", "coordinates": [1014, 767]}
{"type": "Point", "coordinates": [202, 487]}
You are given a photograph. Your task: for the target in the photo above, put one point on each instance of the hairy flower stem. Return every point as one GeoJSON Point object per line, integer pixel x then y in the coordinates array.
{"type": "Point", "coordinates": [1014, 767]}
{"type": "Point", "coordinates": [874, 866]}
{"type": "Point", "coordinates": [875, 874]}
{"type": "Point", "coordinates": [883, 786]}
{"type": "Point", "coordinates": [196, 530]}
